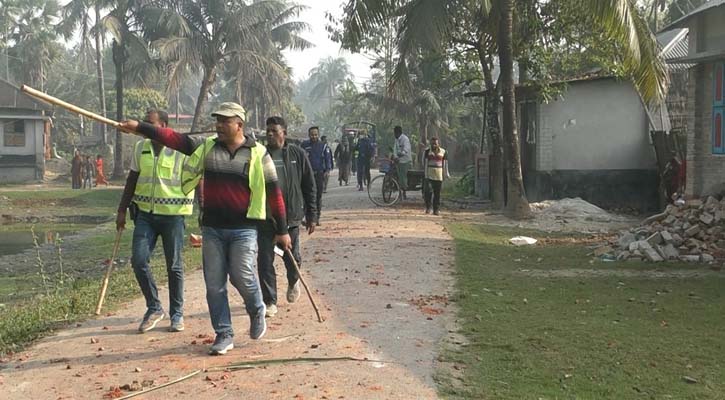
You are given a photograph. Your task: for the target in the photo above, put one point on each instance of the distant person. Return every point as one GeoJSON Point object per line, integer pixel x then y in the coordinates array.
{"type": "Point", "coordinates": [343, 157]}
{"type": "Point", "coordinates": [88, 172]}
{"type": "Point", "coordinates": [365, 153]}
{"type": "Point", "coordinates": [76, 169]}
{"type": "Point", "coordinates": [297, 181]}
{"type": "Point", "coordinates": [100, 177]}
{"type": "Point", "coordinates": [322, 165]}
{"type": "Point", "coordinates": [153, 187]}
{"type": "Point", "coordinates": [435, 167]}
{"type": "Point", "coordinates": [402, 157]}
{"type": "Point", "coordinates": [330, 159]}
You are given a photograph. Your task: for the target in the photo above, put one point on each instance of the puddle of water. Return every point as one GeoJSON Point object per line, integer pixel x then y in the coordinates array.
{"type": "Point", "coordinates": [19, 241]}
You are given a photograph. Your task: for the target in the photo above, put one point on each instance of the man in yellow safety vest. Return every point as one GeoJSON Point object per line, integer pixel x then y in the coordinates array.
{"type": "Point", "coordinates": [153, 191]}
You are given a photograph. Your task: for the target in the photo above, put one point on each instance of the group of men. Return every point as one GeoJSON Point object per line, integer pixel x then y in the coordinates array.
{"type": "Point", "coordinates": [355, 154]}
{"type": "Point", "coordinates": [252, 198]}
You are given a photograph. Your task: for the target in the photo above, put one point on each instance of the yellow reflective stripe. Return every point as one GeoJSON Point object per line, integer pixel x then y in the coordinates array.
{"type": "Point", "coordinates": [150, 179]}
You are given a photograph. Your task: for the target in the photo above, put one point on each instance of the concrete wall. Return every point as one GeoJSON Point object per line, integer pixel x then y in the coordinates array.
{"type": "Point", "coordinates": [596, 125]}
{"type": "Point", "coordinates": [34, 145]}
{"type": "Point", "coordinates": [705, 170]}
{"type": "Point", "coordinates": [707, 31]}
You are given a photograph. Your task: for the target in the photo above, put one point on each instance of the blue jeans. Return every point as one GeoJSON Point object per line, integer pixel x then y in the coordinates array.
{"type": "Point", "coordinates": [230, 253]}
{"type": "Point", "coordinates": [147, 229]}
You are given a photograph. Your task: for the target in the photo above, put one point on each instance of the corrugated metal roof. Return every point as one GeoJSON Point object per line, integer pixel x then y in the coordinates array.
{"type": "Point", "coordinates": [674, 45]}
{"type": "Point", "coordinates": [710, 4]}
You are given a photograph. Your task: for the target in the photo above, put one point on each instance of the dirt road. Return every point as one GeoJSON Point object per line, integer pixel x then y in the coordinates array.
{"type": "Point", "coordinates": [380, 276]}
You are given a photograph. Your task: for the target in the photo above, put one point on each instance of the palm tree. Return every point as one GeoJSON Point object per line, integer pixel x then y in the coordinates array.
{"type": "Point", "coordinates": [34, 39]}
{"type": "Point", "coordinates": [328, 77]}
{"type": "Point", "coordinates": [202, 36]}
{"type": "Point", "coordinates": [77, 17]}
{"type": "Point", "coordinates": [433, 22]}
{"type": "Point", "coordinates": [130, 53]}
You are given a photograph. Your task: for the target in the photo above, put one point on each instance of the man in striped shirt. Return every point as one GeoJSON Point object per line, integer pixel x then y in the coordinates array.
{"type": "Point", "coordinates": [238, 178]}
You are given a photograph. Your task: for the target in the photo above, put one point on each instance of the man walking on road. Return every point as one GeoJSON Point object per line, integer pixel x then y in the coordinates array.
{"type": "Point", "coordinates": [403, 158]}
{"type": "Point", "coordinates": [297, 181]}
{"type": "Point", "coordinates": [321, 160]}
{"type": "Point", "coordinates": [365, 153]}
{"type": "Point", "coordinates": [343, 157]}
{"type": "Point", "coordinates": [154, 187]}
{"type": "Point", "coordinates": [435, 167]}
{"type": "Point", "coordinates": [239, 180]}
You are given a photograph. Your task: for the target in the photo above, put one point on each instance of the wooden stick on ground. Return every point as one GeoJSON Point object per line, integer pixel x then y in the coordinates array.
{"type": "Point", "coordinates": [106, 278]}
{"type": "Point", "coordinates": [307, 290]}
{"type": "Point", "coordinates": [151, 389]}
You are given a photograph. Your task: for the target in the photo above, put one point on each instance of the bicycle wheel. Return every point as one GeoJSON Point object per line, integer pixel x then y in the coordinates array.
{"type": "Point", "coordinates": [384, 191]}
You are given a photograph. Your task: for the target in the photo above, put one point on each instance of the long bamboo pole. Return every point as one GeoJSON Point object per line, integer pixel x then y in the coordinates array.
{"type": "Point", "coordinates": [73, 108]}
{"type": "Point", "coordinates": [304, 284]}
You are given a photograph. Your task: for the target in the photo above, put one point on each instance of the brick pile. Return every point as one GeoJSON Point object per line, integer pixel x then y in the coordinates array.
{"type": "Point", "coordinates": [693, 232]}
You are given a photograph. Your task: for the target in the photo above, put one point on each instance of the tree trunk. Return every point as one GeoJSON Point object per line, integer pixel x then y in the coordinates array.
{"type": "Point", "coordinates": [206, 84]}
{"type": "Point", "coordinates": [99, 71]}
{"type": "Point", "coordinates": [119, 58]}
{"type": "Point", "coordinates": [517, 205]}
{"type": "Point", "coordinates": [493, 130]}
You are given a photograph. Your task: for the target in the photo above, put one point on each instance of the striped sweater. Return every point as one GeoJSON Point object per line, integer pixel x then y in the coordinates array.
{"type": "Point", "coordinates": [226, 180]}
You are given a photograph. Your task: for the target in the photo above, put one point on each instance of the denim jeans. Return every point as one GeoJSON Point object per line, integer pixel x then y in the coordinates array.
{"type": "Point", "coordinates": [230, 254]}
{"type": "Point", "coordinates": [265, 261]}
{"type": "Point", "coordinates": [147, 229]}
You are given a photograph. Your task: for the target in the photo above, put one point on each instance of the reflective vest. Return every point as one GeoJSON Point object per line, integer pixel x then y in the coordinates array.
{"type": "Point", "coordinates": [193, 170]}
{"type": "Point", "coordinates": [158, 189]}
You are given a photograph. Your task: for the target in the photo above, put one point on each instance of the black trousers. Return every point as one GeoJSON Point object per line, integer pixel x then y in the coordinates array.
{"type": "Point", "coordinates": [363, 173]}
{"type": "Point", "coordinates": [320, 183]}
{"type": "Point", "coordinates": [265, 261]}
{"type": "Point", "coordinates": [432, 194]}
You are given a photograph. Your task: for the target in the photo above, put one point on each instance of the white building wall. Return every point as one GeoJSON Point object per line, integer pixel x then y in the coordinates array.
{"type": "Point", "coordinates": [595, 125]}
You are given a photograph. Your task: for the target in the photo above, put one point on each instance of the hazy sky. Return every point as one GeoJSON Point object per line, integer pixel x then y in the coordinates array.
{"type": "Point", "coordinates": [303, 61]}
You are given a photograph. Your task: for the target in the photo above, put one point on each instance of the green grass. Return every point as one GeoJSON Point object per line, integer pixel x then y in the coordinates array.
{"type": "Point", "coordinates": [579, 338]}
{"type": "Point", "coordinates": [34, 316]}
{"type": "Point", "coordinates": [86, 202]}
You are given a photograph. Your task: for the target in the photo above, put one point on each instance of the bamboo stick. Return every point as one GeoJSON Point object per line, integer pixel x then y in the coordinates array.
{"type": "Point", "coordinates": [73, 108]}
{"type": "Point", "coordinates": [307, 290]}
{"type": "Point", "coordinates": [183, 378]}
{"type": "Point", "coordinates": [107, 277]}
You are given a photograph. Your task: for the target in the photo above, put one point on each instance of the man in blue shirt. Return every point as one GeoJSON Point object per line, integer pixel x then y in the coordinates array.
{"type": "Point", "coordinates": [321, 159]}
{"type": "Point", "coordinates": [365, 153]}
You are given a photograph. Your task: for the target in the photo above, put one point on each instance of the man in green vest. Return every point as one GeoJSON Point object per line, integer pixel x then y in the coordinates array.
{"type": "Point", "coordinates": [240, 183]}
{"type": "Point", "coordinates": [153, 189]}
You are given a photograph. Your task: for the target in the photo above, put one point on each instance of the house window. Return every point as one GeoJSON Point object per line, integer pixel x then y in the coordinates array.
{"type": "Point", "coordinates": [718, 110]}
{"type": "Point", "coordinates": [13, 133]}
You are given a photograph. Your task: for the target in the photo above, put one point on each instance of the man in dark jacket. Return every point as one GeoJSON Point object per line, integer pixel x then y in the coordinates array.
{"type": "Point", "coordinates": [297, 181]}
{"type": "Point", "coordinates": [321, 161]}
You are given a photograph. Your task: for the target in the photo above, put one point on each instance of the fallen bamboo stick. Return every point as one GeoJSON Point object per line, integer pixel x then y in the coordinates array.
{"type": "Point", "coordinates": [107, 277]}
{"type": "Point", "coordinates": [183, 378]}
{"type": "Point", "coordinates": [304, 284]}
{"type": "Point", "coordinates": [261, 363]}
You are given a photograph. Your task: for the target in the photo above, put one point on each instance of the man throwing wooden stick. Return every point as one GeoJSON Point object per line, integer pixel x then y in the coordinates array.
{"type": "Point", "coordinates": [239, 181]}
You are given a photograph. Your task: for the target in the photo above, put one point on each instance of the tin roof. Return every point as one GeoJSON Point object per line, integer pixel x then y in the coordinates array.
{"type": "Point", "coordinates": [707, 6]}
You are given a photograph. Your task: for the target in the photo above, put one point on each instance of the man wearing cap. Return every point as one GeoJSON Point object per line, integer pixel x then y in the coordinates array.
{"type": "Point", "coordinates": [154, 187]}
{"type": "Point", "coordinates": [239, 184]}
{"type": "Point", "coordinates": [298, 187]}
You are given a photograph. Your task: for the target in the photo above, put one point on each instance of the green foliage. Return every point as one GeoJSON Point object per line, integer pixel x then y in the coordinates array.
{"type": "Point", "coordinates": [137, 101]}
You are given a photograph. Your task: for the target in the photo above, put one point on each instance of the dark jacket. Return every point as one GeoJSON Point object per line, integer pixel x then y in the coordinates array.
{"type": "Point", "coordinates": [299, 188]}
{"type": "Point", "coordinates": [319, 154]}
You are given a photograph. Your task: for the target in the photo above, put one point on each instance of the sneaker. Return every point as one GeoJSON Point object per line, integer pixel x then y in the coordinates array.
{"type": "Point", "coordinates": [427, 210]}
{"type": "Point", "coordinates": [293, 292]}
{"type": "Point", "coordinates": [222, 344]}
{"type": "Point", "coordinates": [271, 311]}
{"type": "Point", "coordinates": [258, 326]}
{"type": "Point", "coordinates": [177, 325]}
{"type": "Point", "coordinates": [435, 212]}
{"type": "Point", "coordinates": [150, 320]}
